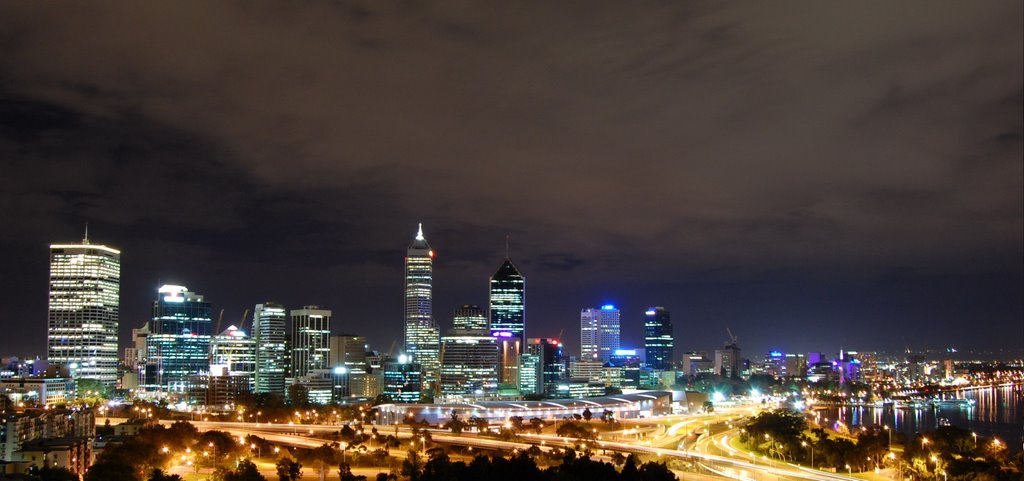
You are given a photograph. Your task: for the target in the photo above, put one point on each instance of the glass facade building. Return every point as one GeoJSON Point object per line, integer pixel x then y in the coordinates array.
{"type": "Point", "coordinates": [469, 364]}
{"type": "Point", "coordinates": [83, 310]}
{"type": "Point", "coordinates": [470, 317]}
{"type": "Point", "coordinates": [658, 340]}
{"type": "Point", "coordinates": [422, 336]}
{"type": "Point", "coordinates": [507, 304]}
{"type": "Point", "coordinates": [311, 340]}
{"type": "Point", "coordinates": [551, 363]}
{"type": "Point", "coordinates": [269, 333]}
{"type": "Point", "coordinates": [178, 346]}
{"type": "Point", "coordinates": [233, 353]}
{"type": "Point", "coordinates": [599, 333]}
{"type": "Point", "coordinates": [403, 381]}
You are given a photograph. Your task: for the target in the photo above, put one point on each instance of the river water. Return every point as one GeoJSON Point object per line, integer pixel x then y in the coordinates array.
{"type": "Point", "coordinates": [998, 412]}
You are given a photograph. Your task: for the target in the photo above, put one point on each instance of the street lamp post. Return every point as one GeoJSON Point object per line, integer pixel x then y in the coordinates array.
{"type": "Point", "coordinates": [811, 446]}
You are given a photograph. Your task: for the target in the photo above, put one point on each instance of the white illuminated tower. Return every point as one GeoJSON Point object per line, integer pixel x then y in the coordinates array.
{"type": "Point", "coordinates": [599, 333]}
{"type": "Point", "coordinates": [422, 336]}
{"type": "Point", "coordinates": [269, 332]}
{"type": "Point", "coordinates": [84, 304]}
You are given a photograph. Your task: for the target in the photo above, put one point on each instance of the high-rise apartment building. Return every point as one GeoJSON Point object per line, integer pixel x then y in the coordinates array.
{"type": "Point", "coordinates": [178, 345]}
{"type": "Point", "coordinates": [658, 340]}
{"type": "Point", "coordinates": [84, 303]}
{"type": "Point", "coordinates": [311, 333]}
{"type": "Point", "coordinates": [422, 336]}
{"type": "Point", "coordinates": [269, 332]}
{"type": "Point", "coordinates": [508, 317]}
{"type": "Point", "coordinates": [599, 333]}
{"type": "Point", "coordinates": [470, 317]}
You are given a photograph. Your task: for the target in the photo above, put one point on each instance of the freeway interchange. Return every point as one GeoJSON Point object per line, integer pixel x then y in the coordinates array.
{"type": "Point", "coordinates": [702, 440]}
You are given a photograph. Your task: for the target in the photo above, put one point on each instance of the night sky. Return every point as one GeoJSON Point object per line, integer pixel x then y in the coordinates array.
{"type": "Point", "coordinates": [810, 177]}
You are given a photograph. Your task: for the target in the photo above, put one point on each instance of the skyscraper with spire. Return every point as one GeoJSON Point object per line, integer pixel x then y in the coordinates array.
{"type": "Point", "coordinates": [422, 336]}
{"type": "Point", "coordinates": [84, 308]}
{"type": "Point", "coordinates": [508, 317]}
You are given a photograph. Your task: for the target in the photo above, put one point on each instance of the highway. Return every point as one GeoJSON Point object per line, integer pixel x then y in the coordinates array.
{"type": "Point", "coordinates": [711, 452]}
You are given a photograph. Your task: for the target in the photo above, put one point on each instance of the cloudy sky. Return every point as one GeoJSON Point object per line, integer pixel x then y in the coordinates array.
{"type": "Point", "coordinates": [809, 176]}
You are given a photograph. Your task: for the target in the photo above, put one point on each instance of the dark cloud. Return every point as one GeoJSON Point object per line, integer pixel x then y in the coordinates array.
{"type": "Point", "coordinates": [644, 152]}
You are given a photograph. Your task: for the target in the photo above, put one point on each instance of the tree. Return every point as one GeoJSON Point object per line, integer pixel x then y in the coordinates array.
{"type": "Point", "coordinates": [412, 466]}
{"type": "Point", "coordinates": [537, 424]}
{"type": "Point", "coordinates": [587, 415]}
{"type": "Point", "coordinates": [246, 471]}
{"type": "Point", "coordinates": [608, 416]}
{"type": "Point", "coordinates": [708, 407]}
{"type": "Point", "coordinates": [321, 458]}
{"type": "Point", "coordinates": [517, 423]}
{"type": "Point", "coordinates": [298, 395]}
{"type": "Point", "coordinates": [57, 474]}
{"type": "Point", "coordinates": [111, 471]}
{"type": "Point", "coordinates": [618, 458]}
{"type": "Point", "coordinates": [455, 424]}
{"type": "Point", "coordinates": [480, 423]}
{"type": "Point", "coordinates": [288, 469]}
{"type": "Point", "coordinates": [345, 473]}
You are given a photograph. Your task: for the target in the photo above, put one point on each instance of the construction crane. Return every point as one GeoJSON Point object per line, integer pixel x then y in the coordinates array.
{"type": "Point", "coordinates": [245, 315]}
{"type": "Point", "coordinates": [216, 329]}
{"type": "Point", "coordinates": [733, 341]}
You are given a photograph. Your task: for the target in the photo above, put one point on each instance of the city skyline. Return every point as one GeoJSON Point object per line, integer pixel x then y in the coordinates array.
{"type": "Point", "coordinates": [809, 181]}
{"type": "Point", "coordinates": [636, 340]}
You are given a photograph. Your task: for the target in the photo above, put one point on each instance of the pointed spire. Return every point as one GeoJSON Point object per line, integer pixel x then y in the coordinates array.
{"type": "Point", "coordinates": [419, 233]}
{"type": "Point", "coordinates": [85, 240]}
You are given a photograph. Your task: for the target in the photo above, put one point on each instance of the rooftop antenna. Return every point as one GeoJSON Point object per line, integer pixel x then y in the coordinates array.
{"type": "Point", "coordinates": [419, 232]}
{"type": "Point", "coordinates": [85, 240]}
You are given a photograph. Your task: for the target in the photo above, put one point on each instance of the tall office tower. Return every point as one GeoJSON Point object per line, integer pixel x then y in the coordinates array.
{"type": "Point", "coordinates": [508, 317]}
{"type": "Point", "coordinates": [470, 317]}
{"type": "Point", "coordinates": [233, 352]}
{"type": "Point", "coordinates": [422, 336]}
{"type": "Point", "coordinates": [469, 364]}
{"type": "Point", "coordinates": [530, 377]}
{"type": "Point", "coordinates": [272, 360]}
{"type": "Point", "coordinates": [658, 342]}
{"type": "Point", "coordinates": [599, 333]}
{"type": "Point", "coordinates": [311, 333]}
{"type": "Point", "coordinates": [178, 346]}
{"type": "Point", "coordinates": [552, 361]}
{"type": "Point", "coordinates": [402, 380]}
{"type": "Point", "coordinates": [85, 283]}
{"type": "Point", "coordinates": [349, 351]}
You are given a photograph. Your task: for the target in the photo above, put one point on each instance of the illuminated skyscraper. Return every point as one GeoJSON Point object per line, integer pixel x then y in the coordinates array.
{"type": "Point", "coordinates": [508, 318]}
{"type": "Point", "coordinates": [599, 333]}
{"type": "Point", "coordinates": [422, 336]}
{"type": "Point", "coordinates": [469, 363]}
{"type": "Point", "coordinates": [658, 342]}
{"type": "Point", "coordinates": [550, 366]}
{"type": "Point", "coordinates": [85, 282]}
{"type": "Point", "coordinates": [470, 317]}
{"type": "Point", "coordinates": [178, 346]}
{"type": "Point", "coordinates": [269, 333]}
{"type": "Point", "coordinates": [311, 340]}
{"type": "Point", "coordinates": [233, 353]}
